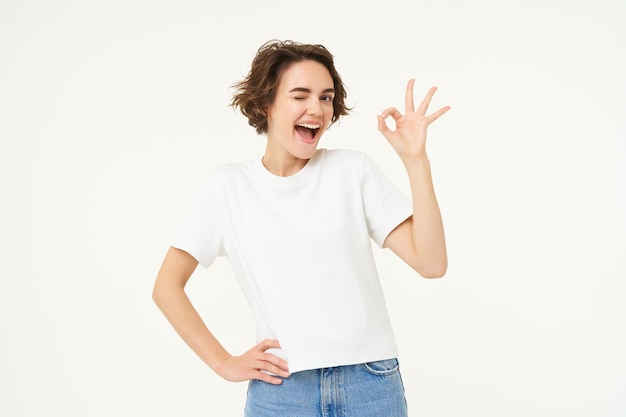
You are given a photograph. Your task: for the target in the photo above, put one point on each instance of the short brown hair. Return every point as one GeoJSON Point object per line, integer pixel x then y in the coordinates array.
{"type": "Point", "coordinates": [256, 92]}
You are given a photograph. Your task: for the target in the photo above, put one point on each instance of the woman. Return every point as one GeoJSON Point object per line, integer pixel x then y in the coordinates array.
{"type": "Point", "coordinates": [296, 226]}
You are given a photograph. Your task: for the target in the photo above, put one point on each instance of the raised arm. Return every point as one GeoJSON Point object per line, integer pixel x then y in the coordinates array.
{"type": "Point", "coordinates": [169, 295]}
{"type": "Point", "coordinates": [420, 240]}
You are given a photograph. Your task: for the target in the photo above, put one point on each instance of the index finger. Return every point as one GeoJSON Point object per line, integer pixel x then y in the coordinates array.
{"type": "Point", "coordinates": [275, 362]}
{"type": "Point", "coordinates": [426, 102]}
{"type": "Point", "coordinates": [408, 100]}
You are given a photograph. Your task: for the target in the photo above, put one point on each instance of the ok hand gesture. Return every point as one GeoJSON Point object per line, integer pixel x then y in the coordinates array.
{"type": "Point", "coordinates": [409, 137]}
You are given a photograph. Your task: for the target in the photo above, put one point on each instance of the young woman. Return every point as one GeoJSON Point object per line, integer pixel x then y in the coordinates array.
{"type": "Point", "coordinates": [296, 225]}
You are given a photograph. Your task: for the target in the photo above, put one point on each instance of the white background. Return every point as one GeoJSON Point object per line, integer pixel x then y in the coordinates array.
{"type": "Point", "coordinates": [112, 114]}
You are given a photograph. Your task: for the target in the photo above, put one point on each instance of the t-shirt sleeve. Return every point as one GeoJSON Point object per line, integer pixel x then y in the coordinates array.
{"type": "Point", "coordinates": [385, 206]}
{"type": "Point", "coordinates": [201, 232]}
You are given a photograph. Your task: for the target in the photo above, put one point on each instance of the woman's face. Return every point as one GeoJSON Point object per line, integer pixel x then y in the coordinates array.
{"type": "Point", "coordinates": [301, 112]}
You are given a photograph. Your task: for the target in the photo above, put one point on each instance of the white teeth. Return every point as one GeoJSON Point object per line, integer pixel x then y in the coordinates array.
{"type": "Point", "coordinates": [310, 126]}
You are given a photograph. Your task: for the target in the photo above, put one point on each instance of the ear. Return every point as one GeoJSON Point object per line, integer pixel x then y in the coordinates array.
{"type": "Point", "coordinates": [265, 112]}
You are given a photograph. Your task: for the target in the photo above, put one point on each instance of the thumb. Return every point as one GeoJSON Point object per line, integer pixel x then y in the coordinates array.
{"type": "Point", "coordinates": [268, 344]}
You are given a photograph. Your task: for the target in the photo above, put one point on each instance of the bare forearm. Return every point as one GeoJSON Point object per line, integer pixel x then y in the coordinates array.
{"type": "Point", "coordinates": [428, 231]}
{"type": "Point", "coordinates": [427, 251]}
{"type": "Point", "coordinates": [179, 311]}
{"type": "Point", "coordinates": [169, 295]}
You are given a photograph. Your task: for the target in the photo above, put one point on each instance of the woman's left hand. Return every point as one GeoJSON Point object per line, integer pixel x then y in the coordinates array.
{"type": "Point", "coordinates": [409, 137]}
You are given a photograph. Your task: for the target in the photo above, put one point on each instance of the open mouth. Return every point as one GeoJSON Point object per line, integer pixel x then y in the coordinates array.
{"type": "Point", "coordinates": [307, 131]}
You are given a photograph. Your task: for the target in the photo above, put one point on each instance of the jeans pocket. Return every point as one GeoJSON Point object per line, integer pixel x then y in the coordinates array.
{"type": "Point", "coordinates": [383, 368]}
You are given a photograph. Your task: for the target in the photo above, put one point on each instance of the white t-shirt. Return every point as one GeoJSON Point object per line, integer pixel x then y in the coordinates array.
{"type": "Point", "coordinates": [300, 247]}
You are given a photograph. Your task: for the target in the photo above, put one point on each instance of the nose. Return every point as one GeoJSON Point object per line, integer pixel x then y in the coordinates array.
{"type": "Point", "coordinates": [314, 107]}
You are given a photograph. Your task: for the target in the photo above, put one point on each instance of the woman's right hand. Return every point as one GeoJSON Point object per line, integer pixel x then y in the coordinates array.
{"type": "Point", "coordinates": [255, 364]}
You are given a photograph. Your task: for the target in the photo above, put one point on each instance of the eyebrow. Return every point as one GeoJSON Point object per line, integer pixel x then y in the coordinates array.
{"type": "Point", "coordinates": [308, 90]}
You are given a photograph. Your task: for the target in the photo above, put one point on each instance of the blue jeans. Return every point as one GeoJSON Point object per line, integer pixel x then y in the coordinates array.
{"type": "Point", "coordinates": [373, 389]}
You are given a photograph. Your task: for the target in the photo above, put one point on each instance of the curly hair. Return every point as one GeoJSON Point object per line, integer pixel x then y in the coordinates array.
{"type": "Point", "coordinates": [256, 92]}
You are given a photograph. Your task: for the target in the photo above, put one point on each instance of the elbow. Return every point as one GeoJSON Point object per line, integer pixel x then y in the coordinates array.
{"type": "Point", "coordinates": [158, 294]}
{"type": "Point", "coordinates": [433, 270]}
{"type": "Point", "coordinates": [165, 291]}
{"type": "Point", "coordinates": [433, 274]}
